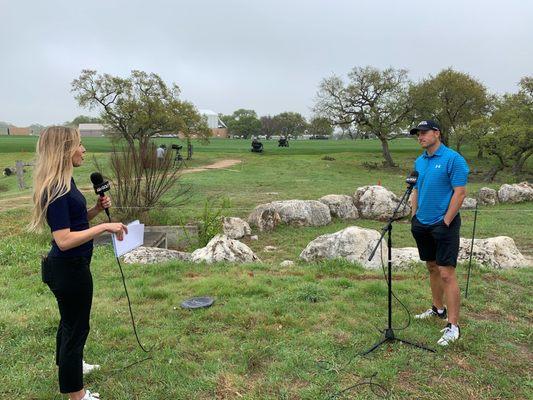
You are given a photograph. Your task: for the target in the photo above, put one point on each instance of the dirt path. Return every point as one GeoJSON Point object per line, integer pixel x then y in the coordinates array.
{"type": "Point", "coordinates": [222, 164]}
{"type": "Point", "coordinates": [13, 203]}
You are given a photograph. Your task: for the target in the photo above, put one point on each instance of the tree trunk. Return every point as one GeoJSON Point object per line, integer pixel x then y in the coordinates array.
{"type": "Point", "coordinates": [489, 177]}
{"type": "Point", "coordinates": [459, 144]}
{"type": "Point", "coordinates": [480, 153]}
{"type": "Point", "coordinates": [189, 148]}
{"type": "Point", "coordinates": [386, 153]}
{"type": "Point", "coordinates": [519, 164]}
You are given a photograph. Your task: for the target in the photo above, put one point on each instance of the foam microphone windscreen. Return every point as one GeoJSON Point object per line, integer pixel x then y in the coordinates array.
{"type": "Point", "coordinates": [97, 178]}
{"type": "Point", "coordinates": [100, 186]}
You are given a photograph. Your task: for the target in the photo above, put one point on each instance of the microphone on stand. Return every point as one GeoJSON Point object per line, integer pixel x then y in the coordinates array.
{"type": "Point", "coordinates": [100, 187]}
{"type": "Point", "coordinates": [412, 179]}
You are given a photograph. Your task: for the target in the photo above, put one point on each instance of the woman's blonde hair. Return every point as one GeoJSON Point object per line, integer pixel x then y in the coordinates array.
{"type": "Point", "coordinates": [53, 170]}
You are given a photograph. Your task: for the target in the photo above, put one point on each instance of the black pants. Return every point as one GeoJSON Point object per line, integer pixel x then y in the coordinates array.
{"type": "Point", "coordinates": [71, 282]}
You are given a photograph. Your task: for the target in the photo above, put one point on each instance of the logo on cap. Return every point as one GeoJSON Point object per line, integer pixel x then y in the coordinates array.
{"type": "Point", "coordinates": [423, 123]}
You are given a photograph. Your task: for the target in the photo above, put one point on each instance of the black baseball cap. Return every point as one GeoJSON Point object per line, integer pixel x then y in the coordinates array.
{"type": "Point", "coordinates": [427, 125]}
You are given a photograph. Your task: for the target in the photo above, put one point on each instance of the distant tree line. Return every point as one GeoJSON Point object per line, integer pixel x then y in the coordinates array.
{"type": "Point", "coordinates": [246, 124]}
{"type": "Point", "coordinates": [385, 103]}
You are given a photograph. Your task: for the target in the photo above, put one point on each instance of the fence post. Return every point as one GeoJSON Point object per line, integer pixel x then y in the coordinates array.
{"type": "Point", "coordinates": [20, 174]}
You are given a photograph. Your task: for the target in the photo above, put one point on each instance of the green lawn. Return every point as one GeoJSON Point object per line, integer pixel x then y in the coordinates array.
{"type": "Point", "coordinates": [270, 326]}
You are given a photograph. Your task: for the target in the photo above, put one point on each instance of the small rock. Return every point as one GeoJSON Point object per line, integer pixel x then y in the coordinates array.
{"type": "Point", "coordinates": [222, 248]}
{"type": "Point", "coordinates": [270, 248]}
{"type": "Point", "coordinates": [340, 206]}
{"type": "Point", "coordinates": [487, 196]}
{"type": "Point", "coordinates": [517, 193]}
{"type": "Point", "coordinates": [286, 263]}
{"type": "Point", "coordinates": [264, 217]}
{"type": "Point", "coordinates": [469, 203]}
{"type": "Point", "coordinates": [254, 237]}
{"type": "Point", "coordinates": [236, 228]}
{"type": "Point", "coordinates": [376, 202]}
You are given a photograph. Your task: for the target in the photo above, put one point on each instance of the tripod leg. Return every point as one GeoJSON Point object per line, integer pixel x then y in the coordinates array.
{"type": "Point", "coordinates": [415, 345]}
{"type": "Point", "coordinates": [375, 347]}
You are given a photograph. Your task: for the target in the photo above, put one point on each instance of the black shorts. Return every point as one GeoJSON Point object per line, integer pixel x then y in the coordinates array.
{"type": "Point", "coordinates": [437, 242]}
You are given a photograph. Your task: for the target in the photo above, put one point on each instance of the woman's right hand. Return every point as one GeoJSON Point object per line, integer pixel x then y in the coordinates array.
{"type": "Point", "coordinates": [117, 228]}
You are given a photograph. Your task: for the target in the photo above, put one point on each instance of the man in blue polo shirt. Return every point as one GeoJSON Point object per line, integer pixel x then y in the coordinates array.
{"type": "Point", "coordinates": [436, 200]}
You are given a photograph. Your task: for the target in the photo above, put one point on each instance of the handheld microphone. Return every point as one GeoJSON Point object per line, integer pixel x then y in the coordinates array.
{"type": "Point", "coordinates": [411, 179]}
{"type": "Point", "coordinates": [100, 187]}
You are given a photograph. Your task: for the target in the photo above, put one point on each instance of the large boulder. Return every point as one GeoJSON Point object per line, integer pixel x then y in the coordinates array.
{"type": "Point", "coordinates": [291, 212]}
{"type": "Point", "coordinates": [469, 203]}
{"type": "Point", "coordinates": [498, 252]}
{"type": "Point", "coordinates": [353, 244]}
{"type": "Point", "coordinates": [516, 193]}
{"type": "Point", "coordinates": [152, 255]}
{"type": "Point", "coordinates": [376, 202]}
{"type": "Point", "coordinates": [487, 196]}
{"type": "Point", "coordinates": [264, 217]}
{"type": "Point", "coordinates": [340, 206]}
{"type": "Point", "coordinates": [404, 257]}
{"type": "Point", "coordinates": [235, 228]}
{"type": "Point", "coordinates": [222, 248]}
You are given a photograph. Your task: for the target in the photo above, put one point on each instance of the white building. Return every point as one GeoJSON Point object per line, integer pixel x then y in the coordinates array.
{"type": "Point", "coordinates": [213, 120]}
{"type": "Point", "coordinates": [91, 130]}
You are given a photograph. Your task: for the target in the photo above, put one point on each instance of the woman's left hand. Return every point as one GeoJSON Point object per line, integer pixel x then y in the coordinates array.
{"type": "Point", "coordinates": [103, 202]}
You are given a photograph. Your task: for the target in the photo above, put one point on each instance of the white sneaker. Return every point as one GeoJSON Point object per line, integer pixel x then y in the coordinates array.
{"type": "Point", "coordinates": [451, 334]}
{"type": "Point", "coordinates": [88, 368]}
{"type": "Point", "coordinates": [432, 312]}
{"type": "Point", "coordinates": [90, 396]}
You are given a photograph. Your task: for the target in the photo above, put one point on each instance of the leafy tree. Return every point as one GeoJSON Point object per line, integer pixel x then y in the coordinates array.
{"type": "Point", "coordinates": [290, 123]}
{"type": "Point", "coordinates": [373, 101]}
{"type": "Point", "coordinates": [453, 99]}
{"type": "Point", "coordinates": [510, 130]}
{"type": "Point", "coordinates": [83, 119]}
{"type": "Point", "coordinates": [268, 126]}
{"type": "Point", "coordinates": [242, 123]}
{"type": "Point", "coordinates": [138, 107]}
{"type": "Point", "coordinates": [320, 126]}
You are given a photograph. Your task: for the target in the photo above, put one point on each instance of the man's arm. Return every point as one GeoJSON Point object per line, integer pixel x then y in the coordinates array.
{"type": "Point", "coordinates": [459, 194]}
{"type": "Point", "coordinates": [414, 202]}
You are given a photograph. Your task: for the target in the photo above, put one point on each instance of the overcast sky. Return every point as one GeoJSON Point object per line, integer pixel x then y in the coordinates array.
{"type": "Point", "coordinates": [267, 55]}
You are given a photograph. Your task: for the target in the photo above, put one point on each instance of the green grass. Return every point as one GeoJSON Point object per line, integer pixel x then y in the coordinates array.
{"type": "Point", "coordinates": [270, 326]}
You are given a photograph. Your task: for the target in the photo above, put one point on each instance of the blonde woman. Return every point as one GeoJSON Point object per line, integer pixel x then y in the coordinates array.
{"type": "Point", "coordinates": [66, 269]}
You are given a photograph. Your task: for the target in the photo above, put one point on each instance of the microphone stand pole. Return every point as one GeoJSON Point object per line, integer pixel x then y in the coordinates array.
{"type": "Point", "coordinates": [389, 332]}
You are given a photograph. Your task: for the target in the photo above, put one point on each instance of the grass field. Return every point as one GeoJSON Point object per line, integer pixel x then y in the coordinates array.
{"type": "Point", "coordinates": [270, 326]}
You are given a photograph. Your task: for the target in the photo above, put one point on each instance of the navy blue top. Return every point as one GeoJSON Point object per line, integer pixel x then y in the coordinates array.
{"type": "Point", "coordinates": [69, 211]}
{"type": "Point", "coordinates": [438, 175]}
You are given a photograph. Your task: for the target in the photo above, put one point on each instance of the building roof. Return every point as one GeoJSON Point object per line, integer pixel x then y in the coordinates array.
{"type": "Point", "coordinates": [91, 127]}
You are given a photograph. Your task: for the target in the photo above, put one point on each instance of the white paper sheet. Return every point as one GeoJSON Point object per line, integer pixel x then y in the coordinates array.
{"type": "Point", "coordinates": [133, 239]}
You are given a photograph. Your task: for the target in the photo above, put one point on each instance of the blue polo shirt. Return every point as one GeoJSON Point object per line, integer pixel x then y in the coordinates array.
{"type": "Point", "coordinates": [438, 174]}
{"type": "Point", "coordinates": [69, 211]}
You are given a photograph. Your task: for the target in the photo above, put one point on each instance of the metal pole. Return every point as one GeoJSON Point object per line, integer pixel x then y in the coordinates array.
{"type": "Point", "coordinates": [471, 250]}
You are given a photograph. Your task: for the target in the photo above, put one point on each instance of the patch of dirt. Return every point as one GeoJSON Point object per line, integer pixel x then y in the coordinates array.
{"type": "Point", "coordinates": [222, 164]}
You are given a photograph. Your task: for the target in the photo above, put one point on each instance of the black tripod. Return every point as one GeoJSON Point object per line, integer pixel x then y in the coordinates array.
{"type": "Point", "coordinates": [389, 332]}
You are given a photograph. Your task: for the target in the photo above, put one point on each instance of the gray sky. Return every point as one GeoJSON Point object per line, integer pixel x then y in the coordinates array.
{"type": "Point", "coordinates": [267, 55]}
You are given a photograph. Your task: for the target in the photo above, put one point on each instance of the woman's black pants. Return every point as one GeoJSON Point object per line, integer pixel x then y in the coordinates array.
{"type": "Point", "coordinates": [71, 282]}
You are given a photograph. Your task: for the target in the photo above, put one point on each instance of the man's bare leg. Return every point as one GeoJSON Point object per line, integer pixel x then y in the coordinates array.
{"type": "Point", "coordinates": [452, 293]}
{"type": "Point", "coordinates": [435, 281]}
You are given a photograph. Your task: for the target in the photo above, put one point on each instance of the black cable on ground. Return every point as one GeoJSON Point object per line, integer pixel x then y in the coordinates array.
{"type": "Point", "coordinates": [376, 388]}
{"type": "Point", "coordinates": [129, 307]}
